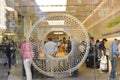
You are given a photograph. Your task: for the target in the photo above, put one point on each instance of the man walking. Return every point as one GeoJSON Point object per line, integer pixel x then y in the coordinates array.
{"type": "Point", "coordinates": [114, 54]}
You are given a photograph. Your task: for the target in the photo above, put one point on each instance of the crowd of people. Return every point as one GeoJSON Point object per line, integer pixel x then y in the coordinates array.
{"type": "Point", "coordinates": [61, 46]}
{"type": "Point", "coordinates": [98, 48]}
{"type": "Point", "coordinates": [51, 48]}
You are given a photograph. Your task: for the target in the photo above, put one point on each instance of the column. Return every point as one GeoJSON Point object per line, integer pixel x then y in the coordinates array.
{"type": "Point", "coordinates": [27, 25]}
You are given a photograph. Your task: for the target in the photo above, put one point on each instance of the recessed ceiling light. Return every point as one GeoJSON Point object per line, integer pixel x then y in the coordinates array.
{"type": "Point", "coordinates": [57, 29]}
{"type": "Point", "coordinates": [9, 8]}
{"type": "Point", "coordinates": [58, 32]}
{"type": "Point", "coordinates": [55, 22]}
{"type": "Point", "coordinates": [79, 1]}
{"type": "Point", "coordinates": [51, 5]}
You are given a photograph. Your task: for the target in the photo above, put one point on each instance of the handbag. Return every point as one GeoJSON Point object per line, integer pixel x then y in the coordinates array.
{"type": "Point", "coordinates": [103, 63]}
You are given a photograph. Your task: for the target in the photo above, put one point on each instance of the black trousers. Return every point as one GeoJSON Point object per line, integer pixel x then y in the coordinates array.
{"type": "Point", "coordinates": [9, 60]}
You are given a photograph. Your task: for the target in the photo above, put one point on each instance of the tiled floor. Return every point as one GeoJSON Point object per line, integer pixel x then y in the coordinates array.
{"type": "Point", "coordinates": [3, 69]}
{"type": "Point", "coordinates": [84, 74]}
{"type": "Point", "coordinates": [3, 72]}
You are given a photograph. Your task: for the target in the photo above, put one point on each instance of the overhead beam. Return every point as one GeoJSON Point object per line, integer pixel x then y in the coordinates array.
{"type": "Point", "coordinates": [96, 9]}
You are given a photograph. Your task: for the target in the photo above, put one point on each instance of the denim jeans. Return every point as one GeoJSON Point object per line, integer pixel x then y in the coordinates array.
{"type": "Point", "coordinates": [113, 69]}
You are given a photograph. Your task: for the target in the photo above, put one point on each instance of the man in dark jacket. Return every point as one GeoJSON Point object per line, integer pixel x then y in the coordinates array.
{"type": "Point", "coordinates": [102, 48]}
{"type": "Point", "coordinates": [8, 53]}
{"type": "Point", "coordinates": [69, 46]}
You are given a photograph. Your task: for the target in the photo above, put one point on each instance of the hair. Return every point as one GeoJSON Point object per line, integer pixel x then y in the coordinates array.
{"type": "Point", "coordinates": [24, 39]}
{"type": "Point", "coordinates": [92, 38]}
{"type": "Point", "coordinates": [44, 42]}
{"type": "Point", "coordinates": [104, 39]}
{"type": "Point", "coordinates": [49, 39]}
{"type": "Point", "coordinates": [97, 40]}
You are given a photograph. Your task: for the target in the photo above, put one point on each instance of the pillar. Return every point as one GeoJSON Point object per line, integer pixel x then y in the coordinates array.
{"type": "Point", "coordinates": [27, 25]}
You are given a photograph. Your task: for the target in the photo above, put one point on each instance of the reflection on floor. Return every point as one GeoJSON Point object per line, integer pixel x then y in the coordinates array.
{"type": "Point", "coordinates": [3, 69]}
{"type": "Point", "coordinates": [84, 73]}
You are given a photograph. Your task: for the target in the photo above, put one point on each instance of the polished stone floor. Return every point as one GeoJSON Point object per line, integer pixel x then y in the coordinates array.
{"type": "Point", "coordinates": [84, 73]}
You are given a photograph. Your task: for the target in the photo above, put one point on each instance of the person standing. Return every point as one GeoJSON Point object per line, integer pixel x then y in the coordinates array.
{"type": "Point", "coordinates": [97, 48]}
{"type": "Point", "coordinates": [102, 48]}
{"type": "Point", "coordinates": [26, 50]}
{"type": "Point", "coordinates": [8, 54]}
{"type": "Point", "coordinates": [113, 55]}
{"type": "Point", "coordinates": [69, 46]}
{"type": "Point", "coordinates": [92, 46]}
{"type": "Point", "coordinates": [13, 51]}
{"type": "Point", "coordinates": [50, 49]}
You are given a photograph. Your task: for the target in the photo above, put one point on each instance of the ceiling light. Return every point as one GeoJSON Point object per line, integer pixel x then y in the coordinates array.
{"type": "Point", "coordinates": [2, 15]}
{"type": "Point", "coordinates": [53, 9]}
{"type": "Point", "coordinates": [58, 32]}
{"type": "Point", "coordinates": [57, 29]}
{"type": "Point", "coordinates": [79, 1]}
{"type": "Point", "coordinates": [51, 5]}
{"type": "Point", "coordinates": [9, 34]}
{"type": "Point", "coordinates": [9, 8]}
{"type": "Point", "coordinates": [2, 27]}
{"type": "Point", "coordinates": [56, 22]}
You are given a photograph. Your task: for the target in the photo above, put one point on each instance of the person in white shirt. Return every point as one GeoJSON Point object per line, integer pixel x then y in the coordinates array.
{"type": "Point", "coordinates": [50, 49]}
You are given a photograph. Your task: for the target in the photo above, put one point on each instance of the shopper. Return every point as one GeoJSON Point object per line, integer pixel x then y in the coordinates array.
{"type": "Point", "coordinates": [102, 48]}
{"type": "Point", "coordinates": [92, 46]}
{"type": "Point", "coordinates": [69, 46]}
{"type": "Point", "coordinates": [113, 55]}
{"type": "Point", "coordinates": [8, 53]}
{"type": "Point", "coordinates": [50, 49]}
{"type": "Point", "coordinates": [28, 54]}
{"type": "Point", "coordinates": [97, 48]}
{"type": "Point", "coordinates": [13, 51]}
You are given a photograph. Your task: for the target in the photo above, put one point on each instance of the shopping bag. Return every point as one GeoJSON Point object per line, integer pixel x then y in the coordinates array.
{"type": "Point", "coordinates": [104, 63]}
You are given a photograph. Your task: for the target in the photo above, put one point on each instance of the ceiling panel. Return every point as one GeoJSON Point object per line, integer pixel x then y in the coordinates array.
{"type": "Point", "coordinates": [78, 8]}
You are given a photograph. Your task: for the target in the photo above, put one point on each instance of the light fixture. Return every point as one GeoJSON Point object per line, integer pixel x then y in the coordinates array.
{"type": "Point", "coordinates": [55, 22]}
{"type": "Point", "coordinates": [3, 27]}
{"type": "Point", "coordinates": [58, 32]}
{"type": "Point", "coordinates": [57, 29]}
{"type": "Point", "coordinates": [51, 5]}
{"type": "Point", "coordinates": [9, 8]}
{"type": "Point", "coordinates": [2, 15]}
{"type": "Point", "coordinates": [9, 34]}
{"type": "Point", "coordinates": [79, 1]}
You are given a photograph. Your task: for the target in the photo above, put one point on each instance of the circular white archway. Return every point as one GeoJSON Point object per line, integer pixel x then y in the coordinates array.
{"type": "Point", "coordinates": [62, 66]}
